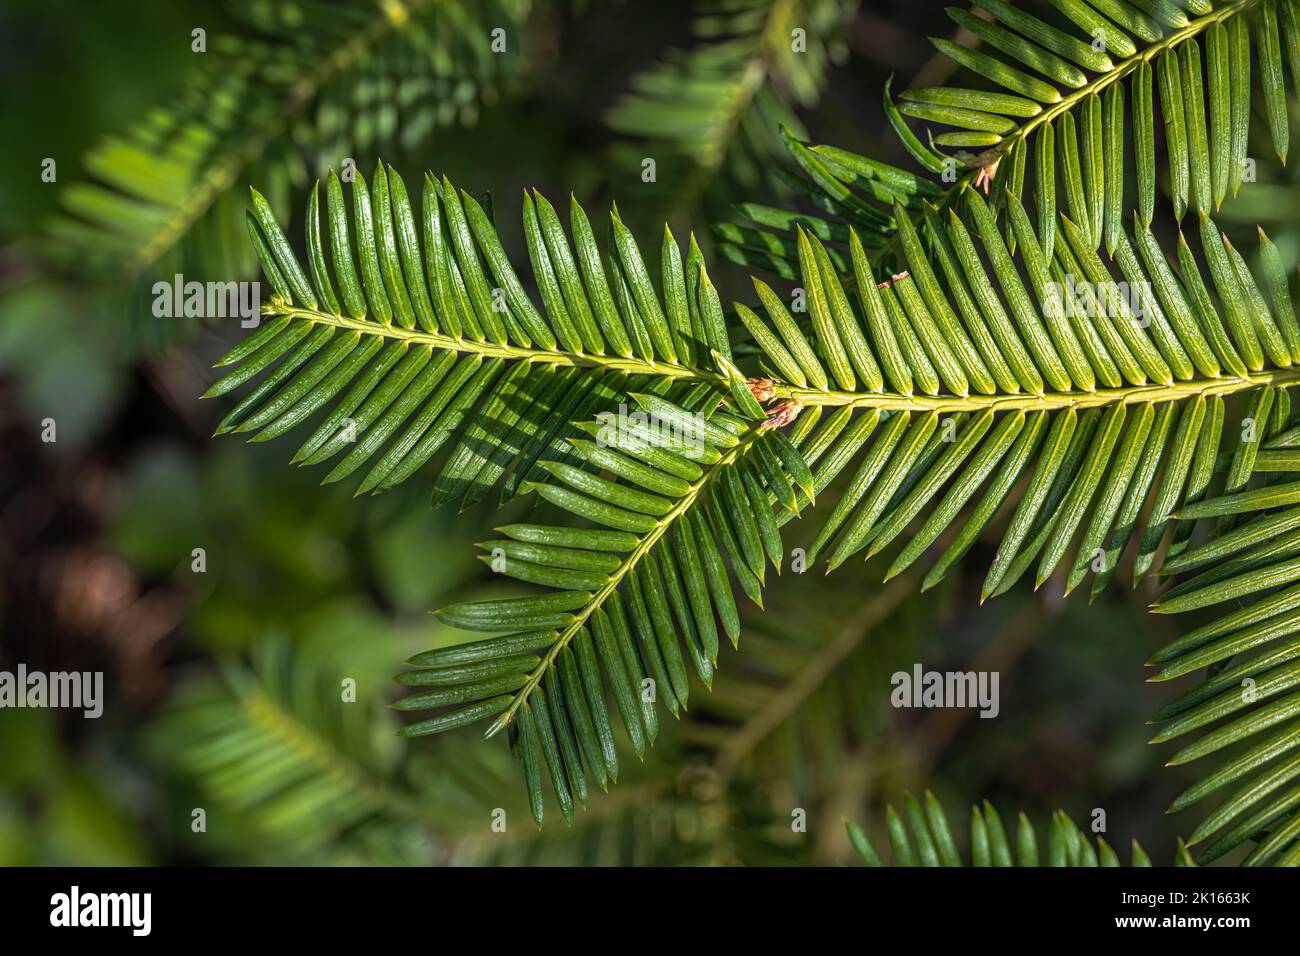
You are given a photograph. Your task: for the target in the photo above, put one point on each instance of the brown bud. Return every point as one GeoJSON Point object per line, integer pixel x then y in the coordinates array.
{"type": "Point", "coordinates": [984, 178]}
{"type": "Point", "coordinates": [763, 389]}
{"type": "Point", "coordinates": [783, 413]}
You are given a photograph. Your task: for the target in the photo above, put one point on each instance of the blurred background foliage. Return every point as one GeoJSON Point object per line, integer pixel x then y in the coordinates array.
{"type": "Point", "coordinates": [226, 687]}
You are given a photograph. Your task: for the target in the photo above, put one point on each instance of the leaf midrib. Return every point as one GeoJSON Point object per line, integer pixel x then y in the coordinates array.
{"type": "Point", "coordinates": [1123, 69]}
{"type": "Point", "coordinates": [884, 401]}
{"type": "Point", "coordinates": [1048, 401]}
{"type": "Point", "coordinates": [215, 180]}
{"type": "Point", "coordinates": [634, 558]}
{"type": "Point", "coordinates": [631, 364]}
{"type": "Point", "coordinates": [1072, 99]}
{"type": "Point", "coordinates": [283, 724]}
{"type": "Point", "coordinates": [758, 70]}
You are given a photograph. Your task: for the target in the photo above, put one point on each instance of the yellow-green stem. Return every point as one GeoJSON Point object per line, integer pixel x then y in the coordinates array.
{"type": "Point", "coordinates": [1070, 100]}
{"type": "Point", "coordinates": [648, 541]}
{"type": "Point", "coordinates": [1049, 401]}
{"type": "Point", "coordinates": [633, 365]}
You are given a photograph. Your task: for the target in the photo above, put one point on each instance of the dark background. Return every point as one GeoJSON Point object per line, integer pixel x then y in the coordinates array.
{"type": "Point", "coordinates": [222, 686]}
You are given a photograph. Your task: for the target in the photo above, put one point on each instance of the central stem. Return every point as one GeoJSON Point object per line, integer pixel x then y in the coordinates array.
{"type": "Point", "coordinates": [1048, 401]}
{"type": "Point", "coordinates": [648, 541]}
